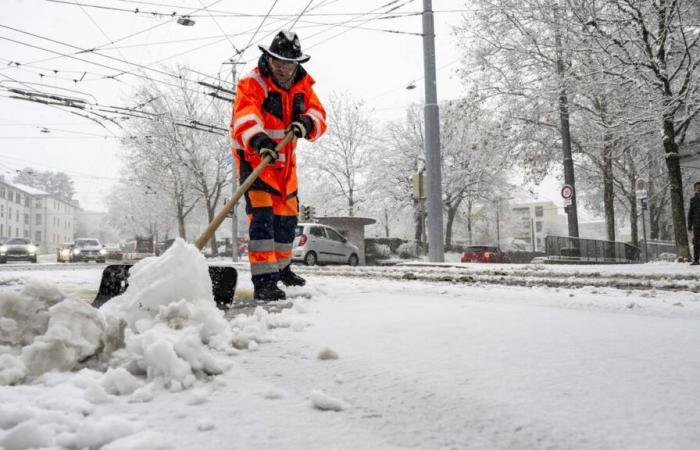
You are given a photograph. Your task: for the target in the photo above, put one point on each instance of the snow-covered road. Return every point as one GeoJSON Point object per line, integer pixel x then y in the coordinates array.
{"type": "Point", "coordinates": [436, 365]}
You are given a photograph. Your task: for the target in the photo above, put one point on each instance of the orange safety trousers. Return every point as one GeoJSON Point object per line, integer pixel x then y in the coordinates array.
{"type": "Point", "coordinates": [273, 221]}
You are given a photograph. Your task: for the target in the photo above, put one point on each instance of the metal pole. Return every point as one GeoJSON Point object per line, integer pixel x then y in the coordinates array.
{"type": "Point", "coordinates": [436, 251]}
{"type": "Point", "coordinates": [234, 216]}
{"type": "Point", "coordinates": [644, 231]}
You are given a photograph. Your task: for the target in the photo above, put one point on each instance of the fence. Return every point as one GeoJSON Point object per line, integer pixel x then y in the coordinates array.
{"type": "Point", "coordinates": [656, 248]}
{"type": "Point", "coordinates": [590, 250]}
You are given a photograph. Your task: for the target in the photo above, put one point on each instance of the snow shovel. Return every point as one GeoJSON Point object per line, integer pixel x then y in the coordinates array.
{"type": "Point", "coordinates": [223, 278]}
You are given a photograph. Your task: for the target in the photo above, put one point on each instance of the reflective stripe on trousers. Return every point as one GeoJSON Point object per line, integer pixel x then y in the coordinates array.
{"type": "Point", "coordinates": [272, 224]}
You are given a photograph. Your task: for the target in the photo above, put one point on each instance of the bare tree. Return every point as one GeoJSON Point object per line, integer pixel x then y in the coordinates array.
{"type": "Point", "coordinates": [343, 153]}
{"type": "Point", "coordinates": [656, 49]}
{"type": "Point", "coordinates": [182, 147]}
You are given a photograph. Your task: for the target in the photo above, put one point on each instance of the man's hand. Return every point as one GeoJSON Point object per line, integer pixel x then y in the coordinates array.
{"type": "Point", "coordinates": [271, 152]}
{"type": "Point", "coordinates": [300, 126]}
{"type": "Point", "coordinates": [265, 146]}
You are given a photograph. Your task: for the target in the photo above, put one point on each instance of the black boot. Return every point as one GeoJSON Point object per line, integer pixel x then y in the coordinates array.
{"type": "Point", "coordinates": [289, 278]}
{"type": "Point", "coordinates": [268, 293]}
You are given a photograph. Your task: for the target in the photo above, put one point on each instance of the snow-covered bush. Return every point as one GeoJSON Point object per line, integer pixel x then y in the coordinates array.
{"type": "Point", "coordinates": [407, 250]}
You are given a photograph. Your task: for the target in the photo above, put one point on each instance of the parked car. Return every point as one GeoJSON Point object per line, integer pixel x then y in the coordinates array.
{"type": "Point", "coordinates": [320, 244]}
{"type": "Point", "coordinates": [17, 249]}
{"type": "Point", "coordinates": [86, 249]}
{"type": "Point", "coordinates": [484, 254]}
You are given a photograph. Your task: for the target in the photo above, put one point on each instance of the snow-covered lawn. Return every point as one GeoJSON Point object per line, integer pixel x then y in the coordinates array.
{"type": "Point", "coordinates": [365, 363]}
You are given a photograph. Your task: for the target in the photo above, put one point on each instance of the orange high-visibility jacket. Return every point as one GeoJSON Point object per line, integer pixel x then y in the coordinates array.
{"type": "Point", "coordinates": [261, 106]}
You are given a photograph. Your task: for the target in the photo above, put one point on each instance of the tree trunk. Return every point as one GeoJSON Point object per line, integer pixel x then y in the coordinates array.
{"type": "Point", "coordinates": [211, 212]}
{"type": "Point", "coordinates": [634, 220]}
{"type": "Point", "coordinates": [386, 223]}
{"type": "Point", "coordinates": [675, 179]}
{"type": "Point", "coordinates": [351, 203]}
{"type": "Point", "coordinates": [469, 221]}
{"type": "Point", "coordinates": [608, 191]}
{"type": "Point", "coordinates": [451, 214]}
{"type": "Point", "coordinates": [418, 221]}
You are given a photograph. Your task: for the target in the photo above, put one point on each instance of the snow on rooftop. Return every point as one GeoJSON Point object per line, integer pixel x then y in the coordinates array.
{"type": "Point", "coordinates": [27, 189]}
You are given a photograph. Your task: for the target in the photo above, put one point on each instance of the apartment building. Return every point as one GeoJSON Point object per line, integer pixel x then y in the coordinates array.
{"type": "Point", "coordinates": [32, 213]}
{"type": "Point", "coordinates": [535, 220]}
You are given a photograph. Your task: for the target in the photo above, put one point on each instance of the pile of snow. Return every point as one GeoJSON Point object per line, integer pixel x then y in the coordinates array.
{"type": "Point", "coordinates": [163, 334]}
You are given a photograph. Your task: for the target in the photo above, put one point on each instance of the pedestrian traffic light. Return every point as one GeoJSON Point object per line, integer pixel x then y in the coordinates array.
{"type": "Point", "coordinates": [307, 213]}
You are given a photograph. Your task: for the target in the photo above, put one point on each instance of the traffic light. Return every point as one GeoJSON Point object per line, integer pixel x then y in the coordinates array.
{"type": "Point", "coordinates": [307, 213]}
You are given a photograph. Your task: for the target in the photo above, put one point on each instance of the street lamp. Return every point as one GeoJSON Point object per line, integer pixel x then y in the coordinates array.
{"type": "Point", "coordinates": [185, 21]}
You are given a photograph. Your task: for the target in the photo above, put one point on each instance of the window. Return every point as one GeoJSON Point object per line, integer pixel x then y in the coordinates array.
{"type": "Point", "coordinates": [538, 227]}
{"type": "Point", "coordinates": [37, 220]}
{"type": "Point", "coordinates": [26, 201]}
{"type": "Point", "coordinates": [10, 195]}
{"type": "Point", "coordinates": [9, 213]}
{"type": "Point", "coordinates": [539, 211]}
{"type": "Point", "coordinates": [317, 231]}
{"type": "Point", "coordinates": [2, 212]}
{"type": "Point", "coordinates": [18, 199]}
{"type": "Point", "coordinates": [2, 229]}
{"type": "Point", "coordinates": [37, 204]}
{"type": "Point", "coordinates": [334, 235]}
{"type": "Point", "coordinates": [2, 194]}
{"type": "Point", "coordinates": [26, 219]}
{"type": "Point", "coordinates": [25, 233]}
{"type": "Point", "coordinates": [37, 237]}
{"type": "Point", "coordinates": [17, 215]}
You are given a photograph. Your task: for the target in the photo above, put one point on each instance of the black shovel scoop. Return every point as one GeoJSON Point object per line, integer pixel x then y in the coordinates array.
{"type": "Point", "coordinates": [115, 278]}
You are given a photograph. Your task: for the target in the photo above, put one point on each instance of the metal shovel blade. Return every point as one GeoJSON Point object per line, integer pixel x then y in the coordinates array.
{"type": "Point", "coordinates": [115, 280]}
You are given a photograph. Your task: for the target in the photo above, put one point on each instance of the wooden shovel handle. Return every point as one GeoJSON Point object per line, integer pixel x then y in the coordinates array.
{"type": "Point", "coordinates": [228, 207]}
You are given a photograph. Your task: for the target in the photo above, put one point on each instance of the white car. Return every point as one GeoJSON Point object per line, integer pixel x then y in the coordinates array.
{"type": "Point", "coordinates": [86, 249]}
{"type": "Point", "coordinates": [320, 244]}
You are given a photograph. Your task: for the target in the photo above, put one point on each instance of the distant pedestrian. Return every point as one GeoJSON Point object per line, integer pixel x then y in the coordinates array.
{"type": "Point", "coordinates": [694, 223]}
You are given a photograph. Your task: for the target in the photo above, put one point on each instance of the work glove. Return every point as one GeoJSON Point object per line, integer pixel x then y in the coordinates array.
{"type": "Point", "coordinates": [301, 126]}
{"type": "Point", "coordinates": [265, 146]}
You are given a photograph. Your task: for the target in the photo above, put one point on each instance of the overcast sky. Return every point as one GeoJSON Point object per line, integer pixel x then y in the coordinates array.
{"type": "Point", "coordinates": [367, 61]}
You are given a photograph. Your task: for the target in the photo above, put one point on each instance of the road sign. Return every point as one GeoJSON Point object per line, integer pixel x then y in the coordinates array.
{"type": "Point", "coordinates": [567, 192]}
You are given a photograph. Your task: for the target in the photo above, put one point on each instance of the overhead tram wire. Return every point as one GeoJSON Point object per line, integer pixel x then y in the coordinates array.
{"type": "Point", "coordinates": [122, 38]}
{"type": "Point", "coordinates": [291, 27]}
{"type": "Point", "coordinates": [121, 71]}
{"type": "Point", "coordinates": [262, 22]}
{"type": "Point", "coordinates": [219, 14]}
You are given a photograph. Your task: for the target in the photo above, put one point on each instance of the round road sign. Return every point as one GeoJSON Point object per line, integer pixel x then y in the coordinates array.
{"type": "Point", "coordinates": [567, 191]}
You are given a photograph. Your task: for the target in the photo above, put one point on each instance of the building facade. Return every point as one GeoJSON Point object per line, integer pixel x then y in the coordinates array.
{"type": "Point", "coordinates": [535, 220]}
{"type": "Point", "coordinates": [30, 213]}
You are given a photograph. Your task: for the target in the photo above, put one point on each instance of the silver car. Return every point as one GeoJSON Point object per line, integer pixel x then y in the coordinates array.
{"type": "Point", "coordinates": [320, 244]}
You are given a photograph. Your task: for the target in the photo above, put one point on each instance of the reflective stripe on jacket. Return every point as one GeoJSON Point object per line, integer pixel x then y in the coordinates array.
{"type": "Point", "coordinates": [261, 106]}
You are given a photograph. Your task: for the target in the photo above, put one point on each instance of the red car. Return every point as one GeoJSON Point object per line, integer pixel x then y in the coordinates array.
{"type": "Point", "coordinates": [484, 254]}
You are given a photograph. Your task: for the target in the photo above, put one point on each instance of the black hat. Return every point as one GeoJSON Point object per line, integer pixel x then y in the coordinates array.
{"type": "Point", "coordinates": [286, 46]}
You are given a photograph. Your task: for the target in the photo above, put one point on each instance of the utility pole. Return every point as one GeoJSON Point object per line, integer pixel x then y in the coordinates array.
{"type": "Point", "coordinates": [234, 180]}
{"type": "Point", "coordinates": [436, 250]}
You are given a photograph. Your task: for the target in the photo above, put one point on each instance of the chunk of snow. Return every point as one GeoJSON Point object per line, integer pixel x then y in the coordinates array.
{"type": "Point", "coordinates": [120, 382]}
{"type": "Point", "coordinates": [198, 397]}
{"type": "Point", "coordinates": [12, 369]}
{"type": "Point", "coordinates": [142, 395]}
{"type": "Point", "coordinates": [326, 354]}
{"type": "Point", "coordinates": [324, 402]}
{"type": "Point", "coordinates": [205, 424]}
{"type": "Point", "coordinates": [95, 393]}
